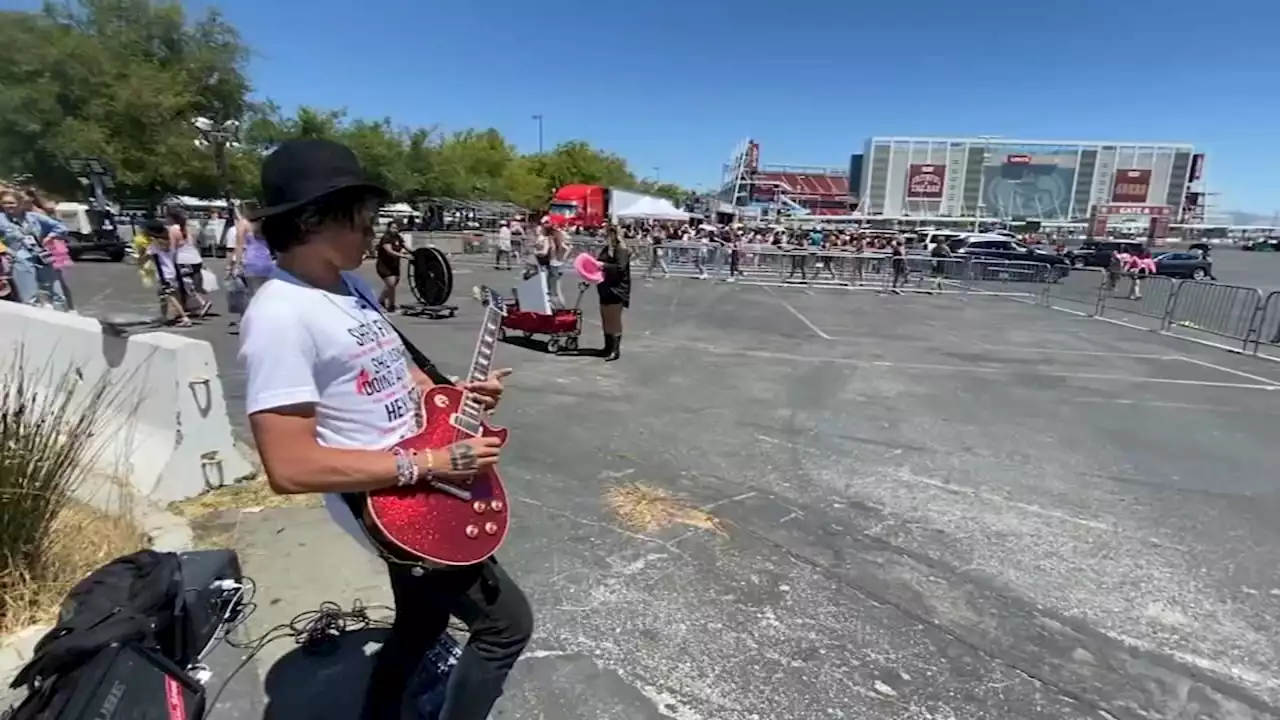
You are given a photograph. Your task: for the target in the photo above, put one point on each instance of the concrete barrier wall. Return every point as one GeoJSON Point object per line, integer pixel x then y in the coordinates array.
{"type": "Point", "coordinates": [167, 432]}
{"type": "Point", "coordinates": [448, 242]}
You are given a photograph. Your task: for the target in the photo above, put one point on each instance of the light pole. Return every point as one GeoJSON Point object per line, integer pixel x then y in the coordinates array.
{"type": "Point", "coordinates": [538, 119]}
{"type": "Point", "coordinates": [982, 177]}
{"type": "Point", "coordinates": [657, 174]}
{"type": "Point", "coordinates": [220, 136]}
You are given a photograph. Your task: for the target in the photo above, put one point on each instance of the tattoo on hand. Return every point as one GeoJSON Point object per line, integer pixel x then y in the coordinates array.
{"type": "Point", "coordinates": [462, 458]}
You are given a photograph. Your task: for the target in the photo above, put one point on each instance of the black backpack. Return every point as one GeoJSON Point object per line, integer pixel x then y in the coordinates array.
{"type": "Point", "coordinates": [131, 600]}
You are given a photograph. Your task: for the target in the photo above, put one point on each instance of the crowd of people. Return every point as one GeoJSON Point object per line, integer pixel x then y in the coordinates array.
{"type": "Point", "coordinates": [33, 251]}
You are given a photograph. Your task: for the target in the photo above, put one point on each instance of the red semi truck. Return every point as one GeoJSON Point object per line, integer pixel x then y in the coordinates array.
{"type": "Point", "coordinates": [589, 206]}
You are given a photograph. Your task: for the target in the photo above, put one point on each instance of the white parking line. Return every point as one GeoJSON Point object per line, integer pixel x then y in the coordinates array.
{"type": "Point", "coordinates": [973, 369]}
{"type": "Point", "coordinates": [817, 330]}
{"type": "Point", "coordinates": [1227, 370]}
{"type": "Point", "coordinates": [1166, 404]}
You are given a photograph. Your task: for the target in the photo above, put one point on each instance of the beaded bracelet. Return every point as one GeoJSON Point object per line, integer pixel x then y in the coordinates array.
{"type": "Point", "coordinates": [406, 468]}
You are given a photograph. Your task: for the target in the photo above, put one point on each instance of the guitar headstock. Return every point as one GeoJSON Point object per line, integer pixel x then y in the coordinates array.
{"type": "Point", "coordinates": [493, 299]}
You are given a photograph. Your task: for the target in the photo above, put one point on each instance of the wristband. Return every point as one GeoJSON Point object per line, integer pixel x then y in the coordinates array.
{"type": "Point", "coordinates": [406, 468]}
{"type": "Point", "coordinates": [428, 471]}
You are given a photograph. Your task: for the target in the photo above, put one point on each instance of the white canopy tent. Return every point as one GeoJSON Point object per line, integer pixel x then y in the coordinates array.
{"type": "Point", "coordinates": [650, 208]}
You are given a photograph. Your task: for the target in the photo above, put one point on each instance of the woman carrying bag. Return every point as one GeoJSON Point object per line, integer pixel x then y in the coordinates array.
{"type": "Point", "coordinates": [251, 264]}
{"type": "Point", "coordinates": [614, 291]}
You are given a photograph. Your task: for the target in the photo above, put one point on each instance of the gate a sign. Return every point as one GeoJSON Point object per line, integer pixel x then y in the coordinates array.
{"type": "Point", "coordinates": [1135, 210]}
{"type": "Point", "coordinates": [925, 181]}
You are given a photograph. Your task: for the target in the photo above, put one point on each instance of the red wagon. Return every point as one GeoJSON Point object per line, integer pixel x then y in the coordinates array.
{"type": "Point", "coordinates": [562, 327]}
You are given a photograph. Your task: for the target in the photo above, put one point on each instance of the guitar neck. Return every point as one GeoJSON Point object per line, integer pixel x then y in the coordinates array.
{"type": "Point", "coordinates": [482, 359]}
{"type": "Point", "coordinates": [481, 365]}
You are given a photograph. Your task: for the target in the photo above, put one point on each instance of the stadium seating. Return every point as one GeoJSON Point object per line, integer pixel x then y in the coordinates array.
{"type": "Point", "coordinates": [807, 184]}
{"type": "Point", "coordinates": [820, 193]}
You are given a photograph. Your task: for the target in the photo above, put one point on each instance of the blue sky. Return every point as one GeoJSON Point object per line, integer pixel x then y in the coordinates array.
{"type": "Point", "coordinates": [676, 85]}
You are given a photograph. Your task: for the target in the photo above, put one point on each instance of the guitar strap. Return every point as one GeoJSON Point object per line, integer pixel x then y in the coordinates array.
{"type": "Point", "coordinates": [355, 500]}
{"type": "Point", "coordinates": [417, 356]}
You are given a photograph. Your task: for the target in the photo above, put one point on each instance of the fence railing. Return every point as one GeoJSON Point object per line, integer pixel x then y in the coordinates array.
{"type": "Point", "coordinates": [772, 266]}
{"type": "Point", "coordinates": [1196, 309]}
{"type": "Point", "coordinates": [1267, 337]}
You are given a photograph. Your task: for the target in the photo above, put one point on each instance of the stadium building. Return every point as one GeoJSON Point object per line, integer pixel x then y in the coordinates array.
{"type": "Point", "coordinates": [751, 190]}
{"type": "Point", "coordinates": [991, 177]}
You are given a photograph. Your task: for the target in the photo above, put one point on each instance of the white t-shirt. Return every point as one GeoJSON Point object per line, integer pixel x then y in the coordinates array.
{"type": "Point", "coordinates": [504, 239]}
{"type": "Point", "coordinates": [303, 345]}
{"type": "Point", "coordinates": [187, 252]}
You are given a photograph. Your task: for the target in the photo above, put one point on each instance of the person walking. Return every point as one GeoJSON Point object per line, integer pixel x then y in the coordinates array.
{"type": "Point", "coordinates": [251, 256]}
{"type": "Point", "coordinates": [502, 252]}
{"type": "Point", "coordinates": [29, 236]}
{"type": "Point", "coordinates": [186, 256]}
{"type": "Point", "coordinates": [160, 257]}
{"type": "Point", "coordinates": [251, 264]}
{"type": "Point", "coordinates": [390, 252]}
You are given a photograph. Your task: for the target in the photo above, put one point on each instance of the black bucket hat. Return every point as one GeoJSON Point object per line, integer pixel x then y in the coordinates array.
{"type": "Point", "coordinates": [301, 171]}
{"type": "Point", "coordinates": [154, 228]}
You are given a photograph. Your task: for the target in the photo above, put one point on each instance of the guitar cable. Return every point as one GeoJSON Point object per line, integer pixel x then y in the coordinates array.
{"type": "Point", "coordinates": [317, 631]}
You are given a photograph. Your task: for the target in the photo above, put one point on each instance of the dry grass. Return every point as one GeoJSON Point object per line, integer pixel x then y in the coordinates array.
{"type": "Point", "coordinates": [646, 508]}
{"type": "Point", "coordinates": [253, 493]}
{"type": "Point", "coordinates": [80, 540]}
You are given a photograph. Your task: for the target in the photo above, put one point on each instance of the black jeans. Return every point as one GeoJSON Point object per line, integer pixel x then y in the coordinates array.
{"type": "Point", "coordinates": [494, 609]}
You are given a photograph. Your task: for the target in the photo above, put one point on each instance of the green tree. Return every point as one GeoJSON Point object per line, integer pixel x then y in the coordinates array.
{"type": "Point", "coordinates": [122, 80]}
{"type": "Point", "coordinates": [119, 80]}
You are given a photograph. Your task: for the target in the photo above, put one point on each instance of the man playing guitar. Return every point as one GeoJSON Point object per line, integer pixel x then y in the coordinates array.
{"type": "Point", "coordinates": [330, 391]}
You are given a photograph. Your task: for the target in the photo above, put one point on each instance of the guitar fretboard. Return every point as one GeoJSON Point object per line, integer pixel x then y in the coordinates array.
{"type": "Point", "coordinates": [471, 414]}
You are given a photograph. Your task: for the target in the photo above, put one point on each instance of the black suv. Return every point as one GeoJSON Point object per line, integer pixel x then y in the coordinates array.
{"type": "Point", "coordinates": [1097, 253]}
{"type": "Point", "coordinates": [989, 247]}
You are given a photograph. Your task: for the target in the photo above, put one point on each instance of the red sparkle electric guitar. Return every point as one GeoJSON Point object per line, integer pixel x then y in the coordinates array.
{"type": "Point", "coordinates": [437, 521]}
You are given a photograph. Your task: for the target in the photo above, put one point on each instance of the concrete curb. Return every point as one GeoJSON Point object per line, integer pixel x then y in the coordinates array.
{"type": "Point", "coordinates": [165, 532]}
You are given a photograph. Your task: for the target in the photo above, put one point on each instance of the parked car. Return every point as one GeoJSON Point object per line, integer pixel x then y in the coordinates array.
{"type": "Point", "coordinates": [989, 247]}
{"type": "Point", "coordinates": [90, 231]}
{"type": "Point", "coordinates": [1184, 265]}
{"type": "Point", "coordinates": [1261, 245]}
{"type": "Point", "coordinates": [1097, 253]}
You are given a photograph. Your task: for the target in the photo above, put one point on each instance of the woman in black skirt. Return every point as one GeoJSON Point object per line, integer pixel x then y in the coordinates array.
{"type": "Point", "coordinates": [390, 252]}
{"type": "Point", "coordinates": [614, 290]}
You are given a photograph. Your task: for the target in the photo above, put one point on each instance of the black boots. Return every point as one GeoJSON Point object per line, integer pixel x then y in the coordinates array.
{"type": "Point", "coordinates": [612, 347]}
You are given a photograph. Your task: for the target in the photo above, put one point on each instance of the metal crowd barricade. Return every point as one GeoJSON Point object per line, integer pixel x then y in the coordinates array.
{"type": "Point", "coordinates": [1082, 290]}
{"type": "Point", "coordinates": [1229, 311]}
{"type": "Point", "coordinates": [1148, 296]}
{"type": "Point", "coordinates": [775, 266]}
{"type": "Point", "coordinates": [1266, 335]}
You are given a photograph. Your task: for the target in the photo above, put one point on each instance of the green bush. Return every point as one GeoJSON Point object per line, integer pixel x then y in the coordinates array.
{"type": "Point", "coordinates": [51, 423]}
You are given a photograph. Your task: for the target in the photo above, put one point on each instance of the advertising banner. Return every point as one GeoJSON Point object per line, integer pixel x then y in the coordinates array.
{"type": "Point", "coordinates": [1197, 167]}
{"type": "Point", "coordinates": [924, 182]}
{"type": "Point", "coordinates": [1019, 159]}
{"type": "Point", "coordinates": [1131, 186]}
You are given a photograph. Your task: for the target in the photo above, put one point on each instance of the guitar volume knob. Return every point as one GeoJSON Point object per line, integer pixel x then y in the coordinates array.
{"type": "Point", "coordinates": [473, 531]}
{"type": "Point", "coordinates": [491, 528]}
{"type": "Point", "coordinates": [496, 505]}
{"type": "Point", "coordinates": [479, 506]}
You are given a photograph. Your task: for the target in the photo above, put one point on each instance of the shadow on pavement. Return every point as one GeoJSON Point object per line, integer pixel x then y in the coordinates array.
{"type": "Point", "coordinates": [322, 686]}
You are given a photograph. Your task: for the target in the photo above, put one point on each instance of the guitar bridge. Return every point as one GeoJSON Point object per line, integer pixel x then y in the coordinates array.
{"type": "Point", "coordinates": [452, 490]}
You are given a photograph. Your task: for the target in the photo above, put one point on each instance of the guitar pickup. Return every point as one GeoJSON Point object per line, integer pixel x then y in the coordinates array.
{"type": "Point", "coordinates": [465, 424]}
{"type": "Point", "coordinates": [453, 490]}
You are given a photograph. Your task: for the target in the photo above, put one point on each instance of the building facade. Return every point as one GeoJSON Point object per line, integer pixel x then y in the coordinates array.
{"type": "Point", "coordinates": [1023, 179]}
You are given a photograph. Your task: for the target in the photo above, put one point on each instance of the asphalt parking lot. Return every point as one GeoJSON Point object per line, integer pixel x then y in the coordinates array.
{"type": "Point", "coordinates": [930, 507]}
